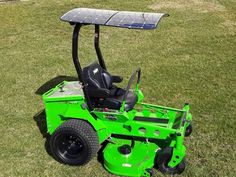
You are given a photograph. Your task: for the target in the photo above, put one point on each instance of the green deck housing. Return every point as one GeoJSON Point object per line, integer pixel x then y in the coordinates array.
{"type": "Point", "coordinates": [149, 127]}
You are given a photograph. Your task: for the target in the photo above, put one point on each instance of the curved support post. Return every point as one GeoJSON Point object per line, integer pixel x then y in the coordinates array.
{"type": "Point", "coordinates": [77, 63]}
{"type": "Point", "coordinates": [75, 51]}
{"type": "Point", "coordinates": [97, 48]}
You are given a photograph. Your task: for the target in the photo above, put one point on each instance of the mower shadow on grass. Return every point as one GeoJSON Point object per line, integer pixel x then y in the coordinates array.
{"type": "Point", "coordinates": [40, 117]}
{"type": "Point", "coordinates": [53, 82]}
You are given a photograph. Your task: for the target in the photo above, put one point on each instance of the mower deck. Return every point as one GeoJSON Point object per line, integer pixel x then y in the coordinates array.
{"type": "Point", "coordinates": [132, 161]}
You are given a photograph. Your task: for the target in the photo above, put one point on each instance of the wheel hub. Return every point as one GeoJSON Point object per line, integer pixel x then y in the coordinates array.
{"type": "Point", "coordinates": [70, 146]}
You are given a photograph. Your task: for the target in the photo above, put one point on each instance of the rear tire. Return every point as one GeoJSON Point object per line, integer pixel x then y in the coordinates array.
{"type": "Point", "coordinates": [74, 142]}
{"type": "Point", "coordinates": [162, 160]}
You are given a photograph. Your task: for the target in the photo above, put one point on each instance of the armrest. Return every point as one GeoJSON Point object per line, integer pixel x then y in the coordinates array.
{"type": "Point", "coordinates": [117, 79]}
{"type": "Point", "coordinates": [99, 93]}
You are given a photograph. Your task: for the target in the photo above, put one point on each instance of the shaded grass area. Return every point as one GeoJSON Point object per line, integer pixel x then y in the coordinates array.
{"type": "Point", "coordinates": [190, 58]}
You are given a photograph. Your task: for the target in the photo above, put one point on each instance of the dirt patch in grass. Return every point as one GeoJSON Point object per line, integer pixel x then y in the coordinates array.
{"type": "Point", "coordinates": [197, 5]}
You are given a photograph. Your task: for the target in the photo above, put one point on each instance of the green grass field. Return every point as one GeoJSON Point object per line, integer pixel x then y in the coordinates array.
{"type": "Point", "coordinates": [191, 58]}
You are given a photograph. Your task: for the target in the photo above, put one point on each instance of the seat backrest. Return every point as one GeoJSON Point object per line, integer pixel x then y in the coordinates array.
{"type": "Point", "coordinates": [97, 77]}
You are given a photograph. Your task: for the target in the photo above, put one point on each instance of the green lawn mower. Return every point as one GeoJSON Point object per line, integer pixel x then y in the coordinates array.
{"type": "Point", "coordinates": [81, 115]}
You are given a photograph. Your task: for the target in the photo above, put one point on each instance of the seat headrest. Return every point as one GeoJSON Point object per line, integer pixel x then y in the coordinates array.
{"type": "Point", "coordinates": [96, 76]}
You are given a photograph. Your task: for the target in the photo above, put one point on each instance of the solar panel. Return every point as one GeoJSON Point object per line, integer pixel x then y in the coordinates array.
{"type": "Point", "coordinates": [88, 16]}
{"type": "Point", "coordinates": [123, 19]}
{"type": "Point", "coordinates": [135, 20]}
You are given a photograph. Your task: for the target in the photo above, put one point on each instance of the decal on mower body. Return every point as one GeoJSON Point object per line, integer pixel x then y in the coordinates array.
{"type": "Point", "coordinates": [126, 165]}
{"type": "Point", "coordinates": [95, 71]}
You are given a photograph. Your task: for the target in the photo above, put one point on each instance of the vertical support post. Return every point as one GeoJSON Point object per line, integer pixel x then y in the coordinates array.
{"type": "Point", "coordinates": [97, 48]}
{"type": "Point", "coordinates": [178, 153]}
{"type": "Point", "coordinates": [179, 141]}
{"type": "Point", "coordinates": [77, 65]}
{"type": "Point", "coordinates": [75, 51]}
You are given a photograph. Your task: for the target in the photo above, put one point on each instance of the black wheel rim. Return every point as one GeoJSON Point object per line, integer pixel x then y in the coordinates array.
{"type": "Point", "coordinates": [70, 146]}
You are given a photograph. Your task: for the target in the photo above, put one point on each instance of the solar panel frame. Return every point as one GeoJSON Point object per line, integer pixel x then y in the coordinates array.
{"type": "Point", "coordinates": [122, 19]}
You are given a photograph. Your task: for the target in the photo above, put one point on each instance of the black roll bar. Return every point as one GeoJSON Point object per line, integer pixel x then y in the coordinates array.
{"type": "Point", "coordinates": [75, 51]}
{"type": "Point", "coordinates": [97, 48]}
{"type": "Point", "coordinates": [77, 65]}
{"type": "Point", "coordinates": [76, 61]}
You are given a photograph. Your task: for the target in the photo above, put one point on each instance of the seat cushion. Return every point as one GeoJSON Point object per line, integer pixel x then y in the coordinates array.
{"type": "Point", "coordinates": [116, 91]}
{"type": "Point", "coordinates": [115, 102]}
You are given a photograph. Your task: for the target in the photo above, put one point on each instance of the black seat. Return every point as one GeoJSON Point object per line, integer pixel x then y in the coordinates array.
{"type": "Point", "coordinates": [102, 92]}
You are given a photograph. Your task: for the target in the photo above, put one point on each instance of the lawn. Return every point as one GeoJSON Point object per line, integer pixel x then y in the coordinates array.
{"type": "Point", "coordinates": [191, 58]}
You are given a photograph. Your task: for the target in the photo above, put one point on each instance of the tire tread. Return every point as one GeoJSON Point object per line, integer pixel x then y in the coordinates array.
{"type": "Point", "coordinates": [85, 130]}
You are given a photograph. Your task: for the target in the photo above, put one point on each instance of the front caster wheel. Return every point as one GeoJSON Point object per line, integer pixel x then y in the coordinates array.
{"type": "Point", "coordinates": [74, 142]}
{"type": "Point", "coordinates": [150, 172]}
{"type": "Point", "coordinates": [189, 130]}
{"type": "Point", "coordinates": [162, 160]}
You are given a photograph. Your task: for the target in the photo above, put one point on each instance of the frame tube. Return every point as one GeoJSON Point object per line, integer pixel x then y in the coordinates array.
{"type": "Point", "coordinates": [77, 65]}
{"type": "Point", "coordinates": [97, 48]}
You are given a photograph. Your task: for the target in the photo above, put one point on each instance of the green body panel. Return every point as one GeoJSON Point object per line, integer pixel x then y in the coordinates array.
{"type": "Point", "coordinates": [164, 126]}
{"type": "Point", "coordinates": [60, 109]}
